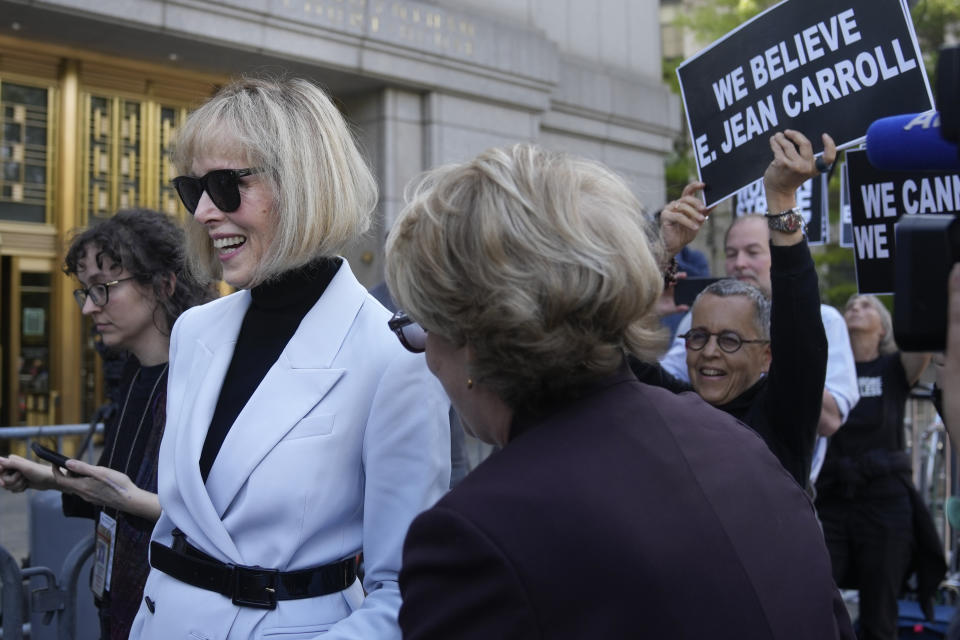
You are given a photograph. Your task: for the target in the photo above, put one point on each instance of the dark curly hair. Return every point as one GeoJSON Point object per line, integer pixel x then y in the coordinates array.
{"type": "Point", "coordinates": [151, 247]}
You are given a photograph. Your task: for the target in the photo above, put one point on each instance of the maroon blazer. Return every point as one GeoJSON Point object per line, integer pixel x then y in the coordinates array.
{"type": "Point", "coordinates": [630, 512]}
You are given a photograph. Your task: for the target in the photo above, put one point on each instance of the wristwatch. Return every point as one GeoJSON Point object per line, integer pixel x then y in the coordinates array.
{"type": "Point", "coordinates": [787, 221]}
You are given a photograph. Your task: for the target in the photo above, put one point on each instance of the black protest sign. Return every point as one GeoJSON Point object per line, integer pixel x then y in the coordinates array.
{"type": "Point", "coordinates": [877, 200]}
{"type": "Point", "coordinates": [814, 66]}
{"type": "Point", "coordinates": [811, 201]}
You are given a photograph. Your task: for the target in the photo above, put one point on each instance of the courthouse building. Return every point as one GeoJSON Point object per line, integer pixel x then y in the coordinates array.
{"type": "Point", "coordinates": [92, 91]}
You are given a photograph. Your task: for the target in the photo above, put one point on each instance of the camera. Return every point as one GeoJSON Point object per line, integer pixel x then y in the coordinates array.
{"type": "Point", "coordinates": [928, 245]}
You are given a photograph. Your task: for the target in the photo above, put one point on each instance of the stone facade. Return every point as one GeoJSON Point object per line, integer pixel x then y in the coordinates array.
{"type": "Point", "coordinates": [425, 82]}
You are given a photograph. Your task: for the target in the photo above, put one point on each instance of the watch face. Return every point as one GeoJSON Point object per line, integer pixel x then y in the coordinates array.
{"type": "Point", "coordinates": [793, 222]}
{"type": "Point", "coordinates": [787, 223]}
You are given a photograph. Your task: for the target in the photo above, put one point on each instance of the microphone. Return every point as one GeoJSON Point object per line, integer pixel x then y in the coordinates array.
{"type": "Point", "coordinates": [911, 142]}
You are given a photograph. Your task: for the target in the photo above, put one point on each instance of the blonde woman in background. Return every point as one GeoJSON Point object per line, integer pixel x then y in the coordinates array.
{"type": "Point", "coordinates": [876, 525]}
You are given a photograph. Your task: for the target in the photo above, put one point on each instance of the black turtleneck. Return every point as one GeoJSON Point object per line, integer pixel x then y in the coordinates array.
{"type": "Point", "coordinates": [276, 309]}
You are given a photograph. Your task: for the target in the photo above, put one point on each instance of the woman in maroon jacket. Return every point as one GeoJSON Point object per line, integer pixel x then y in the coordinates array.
{"type": "Point", "coordinates": [614, 509]}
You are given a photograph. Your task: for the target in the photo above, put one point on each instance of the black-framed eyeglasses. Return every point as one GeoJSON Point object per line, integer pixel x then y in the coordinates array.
{"type": "Point", "coordinates": [222, 185]}
{"type": "Point", "coordinates": [98, 293]}
{"type": "Point", "coordinates": [728, 341]}
{"type": "Point", "coordinates": [412, 336]}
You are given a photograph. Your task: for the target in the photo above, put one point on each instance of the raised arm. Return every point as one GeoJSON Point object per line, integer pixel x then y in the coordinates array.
{"type": "Point", "coordinates": [798, 341]}
{"type": "Point", "coordinates": [681, 219]}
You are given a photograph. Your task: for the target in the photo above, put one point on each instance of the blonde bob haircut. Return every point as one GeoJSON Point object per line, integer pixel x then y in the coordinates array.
{"type": "Point", "coordinates": [887, 343]}
{"type": "Point", "coordinates": [540, 262]}
{"type": "Point", "coordinates": [323, 191]}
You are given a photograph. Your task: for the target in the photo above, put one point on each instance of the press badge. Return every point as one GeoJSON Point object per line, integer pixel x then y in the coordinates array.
{"type": "Point", "coordinates": [103, 557]}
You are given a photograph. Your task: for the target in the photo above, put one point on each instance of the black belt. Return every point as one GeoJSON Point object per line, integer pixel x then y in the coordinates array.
{"type": "Point", "coordinates": [249, 586]}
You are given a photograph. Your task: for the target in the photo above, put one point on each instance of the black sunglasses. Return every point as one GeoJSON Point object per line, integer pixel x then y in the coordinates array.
{"type": "Point", "coordinates": [222, 185]}
{"type": "Point", "coordinates": [412, 336]}
{"type": "Point", "coordinates": [728, 341]}
{"type": "Point", "coordinates": [98, 293]}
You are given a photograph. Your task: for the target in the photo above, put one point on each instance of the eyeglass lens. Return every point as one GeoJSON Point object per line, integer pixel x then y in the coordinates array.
{"type": "Point", "coordinates": [222, 185]}
{"type": "Point", "coordinates": [411, 335]}
{"type": "Point", "coordinates": [728, 341]}
{"type": "Point", "coordinates": [98, 293]}
{"type": "Point", "coordinates": [414, 337]}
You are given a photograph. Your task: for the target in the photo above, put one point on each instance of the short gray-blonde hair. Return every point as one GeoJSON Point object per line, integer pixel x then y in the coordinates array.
{"type": "Point", "coordinates": [539, 261]}
{"type": "Point", "coordinates": [323, 191]}
{"type": "Point", "coordinates": [887, 342]}
{"type": "Point", "coordinates": [761, 303]}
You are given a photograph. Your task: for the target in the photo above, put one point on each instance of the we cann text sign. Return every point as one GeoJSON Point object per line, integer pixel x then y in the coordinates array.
{"type": "Point", "coordinates": [811, 65]}
{"type": "Point", "coordinates": [877, 200]}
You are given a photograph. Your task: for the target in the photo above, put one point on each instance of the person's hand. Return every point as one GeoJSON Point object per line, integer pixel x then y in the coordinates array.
{"type": "Point", "coordinates": [106, 487]}
{"type": "Point", "coordinates": [950, 374]}
{"type": "Point", "coordinates": [793, 164]}
{"type": "Point", "coordinates": [680, 220]}
{"type": "Point", "coordinates": [97, 485]}
{"type": "Point", "coordinates": [18, 474]}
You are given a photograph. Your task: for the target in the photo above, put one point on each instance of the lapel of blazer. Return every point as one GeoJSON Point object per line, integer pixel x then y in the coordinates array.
{"type": "Point", "coordinates": [210, 351]}
{"type": "Point", "coordinates": [293, 386]}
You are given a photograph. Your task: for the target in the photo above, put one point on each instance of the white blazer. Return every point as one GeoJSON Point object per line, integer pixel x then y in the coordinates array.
{"type": "Point", "coordinates": [345, 440]}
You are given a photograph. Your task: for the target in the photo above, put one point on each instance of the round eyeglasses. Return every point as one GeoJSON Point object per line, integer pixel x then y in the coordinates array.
{"type": "Point", "coordinates": [98, 293]}
{"type": "Point", "coordinates": [728, 341]}
{"type": "Point", "coordinates": [412, 336]}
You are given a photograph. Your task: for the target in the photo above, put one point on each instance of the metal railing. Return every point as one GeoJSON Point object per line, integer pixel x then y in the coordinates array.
{"type": "Point", "coordinates": [55, 597]}
{"type": "Point", "coordinates": [57, 432]}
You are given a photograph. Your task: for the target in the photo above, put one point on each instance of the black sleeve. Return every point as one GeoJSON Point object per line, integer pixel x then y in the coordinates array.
{"type": "Point", "coordinates": [799, 345]}
{"type": "Point", "coordinates": [656, 376]}
{"type": "Point", "coordinates": [456, 583]}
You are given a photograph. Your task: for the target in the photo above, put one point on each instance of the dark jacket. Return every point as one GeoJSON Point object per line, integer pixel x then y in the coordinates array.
{"type": "Point", "coordinates": [630, 512]}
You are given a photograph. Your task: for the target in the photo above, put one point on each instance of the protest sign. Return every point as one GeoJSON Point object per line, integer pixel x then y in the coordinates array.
{"type": "Point", "coordinates": [877, 200]}
{"type": "Point", "coordinates": [814, 66]}
{"type": "Point", "coordinates": [811, 201]}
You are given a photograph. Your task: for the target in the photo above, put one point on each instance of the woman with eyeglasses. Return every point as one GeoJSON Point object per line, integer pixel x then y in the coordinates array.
{"type": "Point", "coordinates": [877, 528]}
{"type": "Point", "coordinates": [762, 360]}
{"type": "Point", "coordinates": [613, 507]}
{"type": "Point", "coordinates": [133, 286]}
{"type": "Point", "coordinates": [301, 434]}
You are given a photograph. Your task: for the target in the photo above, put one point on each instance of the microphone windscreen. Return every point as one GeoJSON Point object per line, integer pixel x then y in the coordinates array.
{"type": "Point", "coordinates": [911, 142]}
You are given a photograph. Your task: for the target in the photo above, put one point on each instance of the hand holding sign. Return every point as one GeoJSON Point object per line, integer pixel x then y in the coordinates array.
{"type": "Point", "coordinates": [793, 164]}
{"type": "Point", "coordinates": [809, 66]}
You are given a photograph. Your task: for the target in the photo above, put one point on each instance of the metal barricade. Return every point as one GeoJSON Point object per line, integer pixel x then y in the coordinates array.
{"type": "Point", "coordinates": [11, 581]}
{"type": "Point", "coordinates": [57, 596]}
{"type": "Point", "coordinates": [55, 432]}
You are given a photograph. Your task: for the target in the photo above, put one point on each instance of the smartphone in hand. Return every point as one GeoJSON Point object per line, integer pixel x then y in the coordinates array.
{"type": "Point", "coordinates": [45, 453]}
{"type": "Point", "coordinates": [687, 289]}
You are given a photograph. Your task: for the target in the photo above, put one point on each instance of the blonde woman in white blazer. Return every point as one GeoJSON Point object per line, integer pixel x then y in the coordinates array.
{"type": "Point", "coordinates": [299, 431]}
